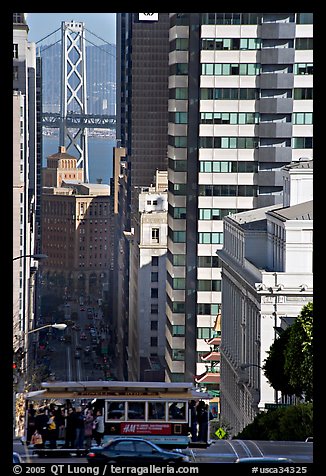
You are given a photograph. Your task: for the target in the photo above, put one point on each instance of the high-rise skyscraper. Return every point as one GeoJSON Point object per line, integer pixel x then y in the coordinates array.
{"type": "Point", "coordinates": [240, 108]}
{"type": "Point", "coordinates": [26, 172]}
{"type": "Point", "coordinates": [142, 127]}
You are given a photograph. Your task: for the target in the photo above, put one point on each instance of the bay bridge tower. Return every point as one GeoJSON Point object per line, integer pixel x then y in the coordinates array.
{"type": "Point", "coordinates": [73, 119]}
{"type": "Point", "coordinates": [73, 96]}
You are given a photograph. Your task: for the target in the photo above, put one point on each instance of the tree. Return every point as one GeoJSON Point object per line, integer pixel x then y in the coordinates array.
{"type": "Point", "coordinates": [299, 353]}
{"type": "Point", "coordinates": [291, 423]}
{"type": "Point", "coordinates": [289, 364]}
{"type": "Point", "coordinates": [275, 362]}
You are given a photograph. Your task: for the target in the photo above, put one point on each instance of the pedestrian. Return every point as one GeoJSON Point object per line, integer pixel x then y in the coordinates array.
{"type": "Point", "coordinates": [70, 436]}
{"type": "Point", "coordinates": [88, 428]}
{"type": "Point", "coordinates": [30, 423]}
{"type": "Point", "coordinates": [202, 418]}
{"type": "Point", "coordinates": [193, 420]}
{"type": "Point", "coordinates": [79, 425]}
{"type": "Point", "coordinates": [37, 440]}
{"type": "Point", "coordinates": [52, 430]}
{"type": "Point", "coordinates": [98, 427]}
{"type": "Point", "coordinates": [41, 422]}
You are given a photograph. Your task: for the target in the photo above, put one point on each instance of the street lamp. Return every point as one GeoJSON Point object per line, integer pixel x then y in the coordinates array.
{"type": "Point", "coordinates": [60, 326]}
{"type": "Point", "coordinates": [37, 257]}
{"type": "Point", "coordinates": [245, 366]}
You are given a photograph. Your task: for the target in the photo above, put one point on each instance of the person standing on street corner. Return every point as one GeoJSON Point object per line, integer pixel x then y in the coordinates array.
{"type": "Point", "coordinates": [202, 417]}
{"type": "Point", "coordinates": [80, 431]}
{"type": "Point", "coordinates": [99, 427]}
{"type": "Point", "coordinates": [193, 420]}
{"type": "Point", "coordinates": [70, 436]}
{"type": "Point", "coordinates": [41, 422]}
{"type": "Point", "coordinates": [88, 428]}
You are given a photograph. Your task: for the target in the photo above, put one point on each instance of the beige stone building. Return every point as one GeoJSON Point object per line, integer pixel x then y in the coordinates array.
{"type": "Point", "coordinates": [76, 229]}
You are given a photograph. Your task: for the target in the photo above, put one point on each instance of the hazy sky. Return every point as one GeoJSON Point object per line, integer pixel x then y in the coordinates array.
{"type": "Point", "coordinates": [43, 24]}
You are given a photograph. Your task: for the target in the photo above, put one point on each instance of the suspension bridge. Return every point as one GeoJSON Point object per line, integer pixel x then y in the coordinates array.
{"type": "Point", "coordinates": [73, 120]}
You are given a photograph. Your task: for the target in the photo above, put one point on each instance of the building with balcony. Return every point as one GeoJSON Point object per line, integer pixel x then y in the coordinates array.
{"type": "Point", "coordinates": [240, 109]}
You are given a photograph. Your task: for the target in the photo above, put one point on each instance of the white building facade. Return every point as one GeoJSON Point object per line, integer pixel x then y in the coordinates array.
{"type": "Point", "coordinates": [24, 180]}
{"type": "Point", "coordinates": [267, 279]}
{"type": "Point", "coordinates": [148, 247]}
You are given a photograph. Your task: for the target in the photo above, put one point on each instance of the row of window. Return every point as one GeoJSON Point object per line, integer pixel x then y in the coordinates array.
{"type": "Point", "coordinates": [231, 143]}
{"type": "Point", "coordinates": [218, 44]}
{"type": "Point", "coordinates": [228, 167]}
{"type": "Point", "coordinates": [227, 190]}
{"type": "Point", "coordinates": [248, 93]}
{"type": "Point", "coordinates": [202, 261]}
{"type": "Point", "coordinates": [230, 69]}
{"type": "Point", "coordinates": [247, 69]}
{"type": "Point", "coordinates": [214, 213]}
{"type": "Point", "coordinates": [235, 94]}
{"type": "Point", "coordinates": [203, 238]}
{"type": "Point", "coordinates": [236, 117]}
{"type": "Point", "coordinates": [202, 284]}
{"type": "Point", "coordinates": [229, 117]}
{"type": "Point", "coordinates": [250, 18]}
{"type": "Point", "coordinates": [203, 309]}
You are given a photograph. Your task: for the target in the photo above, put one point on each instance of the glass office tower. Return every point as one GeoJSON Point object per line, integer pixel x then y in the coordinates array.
{"type": "Point", "coordinates": [240, 108]}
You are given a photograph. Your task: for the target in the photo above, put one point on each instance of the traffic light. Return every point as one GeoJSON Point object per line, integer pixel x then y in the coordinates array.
{"type": "Point", "coordinates": [14, 365]}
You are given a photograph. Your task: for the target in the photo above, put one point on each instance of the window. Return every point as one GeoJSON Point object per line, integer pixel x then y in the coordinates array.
{"type": "Point", "coordinates": [177, 212]}
{"type": "Point", "coordinates": [302, 118]}
{"type": "Point", "coordinates": [154, 325]}
{"type": "Point", "coordinates": [154, 293]}
{"type": "Point", "coordinates": [181, 44]}
{"type": "Point", "coordinates": [230, 69]}
{"type": "Point", "coordinates": [304, 18]}
{"type": "Point", "coordinates": [302, 142]}
{"type": "Point", "coordinates": [208, 262]}
{"type": "Point", "coordinates": [156, 411]}
{"type": "Point", "coordinates": [154, 260]}
{"type": "Point", "coordinates": [115, 411]}
{"type": "Point", "coordinates": [179, 283]}
{"type": "Point", "coordinates": [179, 260]}
{"type": "Point", "coordinates": [154, 277]}
{"type": "Point", "coordinates": [177, 410]}
{"type": "Point", "coordinates": [178, 354]}
{"type": "Point", "coordinates": [180, 93]}
{"type": "Point", "coordinates": [210, 238]}
{"type": "Point", "coordinates": [178, 307]}
{"type": "Point", "coordinates": [153, 341]}
{"type": "Point", "coordinates": [15, 73]}
{"type": "Point", "coordinates": [154, 308]}
{"type": "Point", "coordinates": [136, 410]}
{"type": "Point", "coordinates": [204, 332]}
{"type": "Point", "coordinates": [178, 117]}
{"type": "Point", "coordinates": [179, 236]}
{"type": "Point", "coordinates": [178, 165]}
{"type": "Point", "coordinates": [178, 330]}
{"type": "Point", "coordinates": [15, 50]}
{"type": "Point", "coordinates": [208, 285]}
{"type": "Point", "coordinates": [303, 93]}
{"type": "Point", "coordinates": [303, 68]}
{"type": "Point", "coordinates": [155, 235]}
{"type": "Point", "coordinates": [304, 44]}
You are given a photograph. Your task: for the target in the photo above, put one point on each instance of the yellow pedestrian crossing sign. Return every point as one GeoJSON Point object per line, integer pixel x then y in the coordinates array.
{"type": "Point", "coordinates": [220, 433]}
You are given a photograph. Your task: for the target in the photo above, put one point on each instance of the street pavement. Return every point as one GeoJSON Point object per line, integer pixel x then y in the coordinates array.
{"type": "Point", "coordinates": [221, 451]}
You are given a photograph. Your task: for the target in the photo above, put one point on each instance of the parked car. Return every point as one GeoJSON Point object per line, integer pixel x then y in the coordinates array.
{"type": "Point", "coordinates": [133, 450]}
{"type": "Point", "coordinates": [77, 354]}
{"type": "Point", "coordinates": [16, 458]}
{"type": "Point", "coordinates": [263, 459]}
